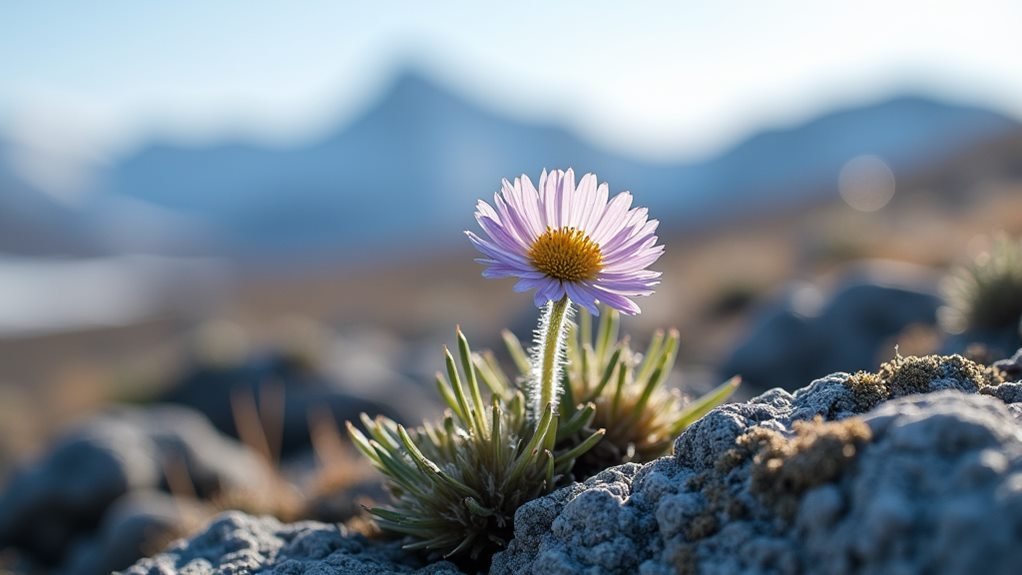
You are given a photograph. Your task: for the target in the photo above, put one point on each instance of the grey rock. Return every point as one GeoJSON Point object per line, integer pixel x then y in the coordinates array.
{"type": "Point", "coordinates": [64, 496]}
{"type": "Point", "coordinates": [1010, 392]}
{"type": "Point", "coordinates": [136, 525]}
{"type": "Point", "coordinates": [1011, 367]}
{"type": "Point", "coordinates": [792, 342]}
{"type": "Point", "coordinates": [235, 543]}
{"type": "Point", "coordinates": [937, 490]}
{"type": "Point", "coordinates": [988, 344]}
{"type": "Point", "coordinates": [214, 390]}
{"type": "Point", "coordinates": [706, 440]}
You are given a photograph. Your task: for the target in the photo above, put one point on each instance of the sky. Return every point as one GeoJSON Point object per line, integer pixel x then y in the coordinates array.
{"type": "Point", "coordinates": [656, 79]}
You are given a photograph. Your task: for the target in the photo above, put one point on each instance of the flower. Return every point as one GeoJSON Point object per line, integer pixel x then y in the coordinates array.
{"type": "Point", "coordinates": [567, 240]}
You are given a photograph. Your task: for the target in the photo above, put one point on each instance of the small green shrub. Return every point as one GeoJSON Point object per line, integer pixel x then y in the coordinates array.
{"type": "Point", "coordinates": [986, 293]}
{"type": "Point", "coordinates": [457, 485]}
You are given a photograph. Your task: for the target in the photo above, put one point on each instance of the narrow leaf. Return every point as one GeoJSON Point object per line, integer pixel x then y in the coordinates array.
{"type": "Point", "coordinates": [459, 391]}
{"type": "Point", "coordinates": [468, 368]}
{"type": "Point", "coordinates": [518, 354]}
{"type": "Point", "coordinates": [575, 452]}
{"type": "Point", "coordinates": [705, 403]}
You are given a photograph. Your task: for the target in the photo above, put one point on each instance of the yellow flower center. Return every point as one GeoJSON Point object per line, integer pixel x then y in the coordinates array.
{"type": "Point", "coordinates": [566, 254]}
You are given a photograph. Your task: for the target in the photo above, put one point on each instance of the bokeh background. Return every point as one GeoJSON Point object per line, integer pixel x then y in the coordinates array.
{"type": "Point", "coordinates": [254, 211]}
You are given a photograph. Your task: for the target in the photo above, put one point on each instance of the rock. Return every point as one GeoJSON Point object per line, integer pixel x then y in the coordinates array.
{"type": "Point", "coordinates": [803, 337]}
{"type": "Point", "coordinates": [136, 525]}
{"type": "Point", "coordinates": [238, 543]}
{"type": "Point", "coordinates": [1011, 367]}
{"type": "Point", "coordinates": [813, 481]}
{"type": "Point", "coordinates": [66, 494]}
{"type": "Point", "coordinates": [212, 389]}
{"type": "Point", "coordinates": [986, 345]}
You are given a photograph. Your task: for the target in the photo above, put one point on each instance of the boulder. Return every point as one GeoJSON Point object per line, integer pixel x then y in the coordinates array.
{"type": "Point", "coordinates": [136, 525]}
{"type": "Point", "coordinates": [239, 543]}
{"type": "Point", "coordinates": [800, 483]}
{"type": "Point", "coordinates": [64, 496]}
{"type": "Point", "coordinates": [806, 335]}
{"type": "Point", "coordinates": [301, 390]}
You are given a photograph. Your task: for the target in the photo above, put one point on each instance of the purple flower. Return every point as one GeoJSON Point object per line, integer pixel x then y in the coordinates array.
{"type": "Point", "coordinates": [567, 240]}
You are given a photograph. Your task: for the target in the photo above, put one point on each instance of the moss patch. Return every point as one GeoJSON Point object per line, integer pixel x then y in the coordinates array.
{"type": "Point", "coordinates": [820, 452]}
{"type": "Point", "coordinates": [870, 390]}
{"type": "Point", "coordinates": [908, 375]}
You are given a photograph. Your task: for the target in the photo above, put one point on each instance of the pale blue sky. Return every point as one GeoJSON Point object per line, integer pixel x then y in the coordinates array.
{"type": "Point", "coordinates": [654, 78]}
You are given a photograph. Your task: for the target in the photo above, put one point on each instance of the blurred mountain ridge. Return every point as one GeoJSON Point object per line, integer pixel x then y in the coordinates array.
{"type": "Point", "coordinates": [406, 173]}
{"type": "Point", "coordinates": [33, 223]}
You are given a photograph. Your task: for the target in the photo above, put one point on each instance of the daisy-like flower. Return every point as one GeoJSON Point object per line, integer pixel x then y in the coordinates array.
{"type": "Point", "coordinates": [567, 240]}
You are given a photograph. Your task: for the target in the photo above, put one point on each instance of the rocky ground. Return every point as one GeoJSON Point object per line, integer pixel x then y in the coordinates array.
{"type": "Point", "coordinates": [914, 469]}
{"type": "Point", "coordinates": [236, 543]}
{"type": "Point", "coordinates": [127, 480]}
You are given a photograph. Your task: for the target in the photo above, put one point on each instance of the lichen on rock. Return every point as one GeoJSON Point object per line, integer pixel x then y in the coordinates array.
{"type": "Point", "coordinates": [869, 389]}
{"type": "Point", "coordinates": [908, 375]}
{"type": "Point", "coordinates": [785, 468]}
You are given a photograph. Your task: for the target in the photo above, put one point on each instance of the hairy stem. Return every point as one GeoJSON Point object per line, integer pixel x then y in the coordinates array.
{"type": "Point", "coordinates": [548, 354]}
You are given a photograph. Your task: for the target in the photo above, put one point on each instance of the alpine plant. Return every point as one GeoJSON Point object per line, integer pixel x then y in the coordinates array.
{"type": "Point", "coordinates": [457, 483]}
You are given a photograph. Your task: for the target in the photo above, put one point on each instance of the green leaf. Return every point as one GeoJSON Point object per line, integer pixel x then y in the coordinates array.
{"type": "Point", "coordinates": [497, 437]}
{"type": "Point", "coordinates": [491, 373]}
{"type": "Point", "coordinates": [579, 419]}
{"type": "Point", "coordinates": [609, 322]}
{"type": "Point", "coordinates": [433, 469]}
{"type": "Point", "coordinates": [468, 368]}
{"type": "Point", "coordinates": [551, 434]}
{"type": "Point", "coordinates": [664, 365]}
{"type": "Point", "coordinates": [615, 405]}
{"type": "Point", "coordinates": [362, 443]}
{"type": "Point", "coordinates": [577, 451]}
{"type": "Point", "coordinates": [652, 356]}
{"type": "Point", "coordinates": [476, 509]}
{"type": "Point", "coordinates": [548, 458]}
{"type": "Point", "coordinates": [705, 403]}
{"type": "Point", "coordinates": [585, 326]}
{"type": "Point", "coordinates": [465, 544]}
{"type": "Point", "coordinates": [518, 354]}
{"type": "Point", "coordinates": [608, 372]}
{"type": "Point", "coordinates": [379, 432]}
{"type": "Point", "coordinates": [448, 396]}
{"type": "Point", "coordinates": [459, 392]}
{"type": "Point", "coordinates": [531, 449]}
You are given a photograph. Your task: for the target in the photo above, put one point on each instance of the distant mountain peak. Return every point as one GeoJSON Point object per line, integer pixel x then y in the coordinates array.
{"type": "Point", "coordinates": [413, 86]}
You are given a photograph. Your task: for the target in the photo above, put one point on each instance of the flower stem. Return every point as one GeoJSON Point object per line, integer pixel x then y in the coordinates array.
{"type": "Point", "coordinates": [550, 349]}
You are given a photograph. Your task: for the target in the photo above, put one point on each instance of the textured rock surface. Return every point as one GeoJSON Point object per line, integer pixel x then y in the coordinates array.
{"type": "Point", "coordinates": [235, 543]}
{"type": "Point", "coordinates": [937, 489]}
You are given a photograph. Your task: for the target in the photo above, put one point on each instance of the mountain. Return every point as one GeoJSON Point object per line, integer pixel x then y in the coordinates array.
{"type": "Point", "coordinates": [410, 167]}
{"type": "Point", "coordinates": [34, 223]}
{"type": "Point", "coordinates": [907, 132]}
{"type": "Point", "coordinates": [405, 174]}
